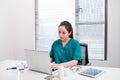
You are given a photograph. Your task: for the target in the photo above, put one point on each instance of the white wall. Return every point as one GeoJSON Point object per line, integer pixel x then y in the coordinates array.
{"type": "Point", "coordinates": [17, 30]}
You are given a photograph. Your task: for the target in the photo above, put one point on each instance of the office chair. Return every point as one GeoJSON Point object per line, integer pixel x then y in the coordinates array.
{"type": "Point", "coordinates": [84, 51]}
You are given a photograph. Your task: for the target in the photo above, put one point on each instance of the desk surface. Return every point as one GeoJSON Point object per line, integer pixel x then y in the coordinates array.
{"type": "Point", "coordinates": [109, 73]}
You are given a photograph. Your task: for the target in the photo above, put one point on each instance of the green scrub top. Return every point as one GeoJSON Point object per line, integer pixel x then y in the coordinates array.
{"type": "Point", "coordinates": [71, 51]}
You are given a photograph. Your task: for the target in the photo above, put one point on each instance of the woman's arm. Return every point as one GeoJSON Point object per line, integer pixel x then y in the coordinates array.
{"type": "Point", "coordinates": [65, 64]}
{"type": "Point", "coordinates": [51, 60]}
{"type": "Point", "coordinates": [70, 63]}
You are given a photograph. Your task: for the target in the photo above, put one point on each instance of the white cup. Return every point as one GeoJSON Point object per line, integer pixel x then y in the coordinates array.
{"type": "Point", "coordinates": [61, 72]}
{"type": "Point", "coordinates": [66, 72]}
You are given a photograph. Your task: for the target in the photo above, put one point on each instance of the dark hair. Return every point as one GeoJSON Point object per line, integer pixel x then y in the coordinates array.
{"type": "Point", "coordinates": [68, 27]}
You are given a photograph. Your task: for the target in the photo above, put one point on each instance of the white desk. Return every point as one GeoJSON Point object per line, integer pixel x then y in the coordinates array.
{"type": "Point", "coordinates": [109, 74]}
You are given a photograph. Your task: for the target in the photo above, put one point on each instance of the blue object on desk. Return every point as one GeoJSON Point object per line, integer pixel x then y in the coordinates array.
{"type": "Point", "coordinates": [91, 72]}
{"type": "Point", "coordinates": [12, 68]}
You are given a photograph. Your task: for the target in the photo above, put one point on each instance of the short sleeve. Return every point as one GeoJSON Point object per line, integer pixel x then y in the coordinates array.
{"type": "Point", "coordinates": [77, 52]}
{"type": "Point", "coordinates": [52, 53]}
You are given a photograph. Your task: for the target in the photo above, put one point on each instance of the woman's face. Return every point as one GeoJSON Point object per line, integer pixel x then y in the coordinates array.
{"type": "Point", "coordinates": [63, 33]}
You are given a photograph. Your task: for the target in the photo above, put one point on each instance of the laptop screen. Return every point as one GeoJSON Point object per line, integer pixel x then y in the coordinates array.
{"type": "Point", "coordinates": [38, 60]}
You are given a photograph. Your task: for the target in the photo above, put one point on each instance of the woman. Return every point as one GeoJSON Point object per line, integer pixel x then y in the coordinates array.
{"type": "Point", "coordinates": [65, 51]}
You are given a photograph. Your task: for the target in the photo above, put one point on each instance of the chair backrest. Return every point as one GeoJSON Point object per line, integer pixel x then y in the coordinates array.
{"type": "Point", "coordinates": [84, 51]}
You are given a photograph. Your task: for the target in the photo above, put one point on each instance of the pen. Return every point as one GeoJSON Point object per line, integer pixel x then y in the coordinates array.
{"type": "Point", "coordinates": [11, 68]}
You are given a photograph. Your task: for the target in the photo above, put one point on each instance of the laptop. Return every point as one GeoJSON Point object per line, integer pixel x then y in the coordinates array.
{"type": "Point", "coordinates": [38, 61]}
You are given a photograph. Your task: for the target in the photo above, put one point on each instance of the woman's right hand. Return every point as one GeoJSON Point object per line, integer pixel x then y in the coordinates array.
{"type": "Point", "coordinates": [55, 66]}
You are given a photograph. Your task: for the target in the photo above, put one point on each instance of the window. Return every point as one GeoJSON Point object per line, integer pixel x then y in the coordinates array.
{"type": "Point", "coordinates": [88, 18]}
{"type": "Point", "coordinates": [91, 26]}
{"type": "Point", "coordinates": [48, 16]}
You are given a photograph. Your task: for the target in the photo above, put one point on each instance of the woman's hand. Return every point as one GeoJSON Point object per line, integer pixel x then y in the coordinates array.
{"type": "Point", "coordinates": [66, 64]}
{"type": "Point", "coordinates": [55, 66]}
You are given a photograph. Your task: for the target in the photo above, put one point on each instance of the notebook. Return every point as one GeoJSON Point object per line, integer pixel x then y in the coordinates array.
{"type": "Point", "coordinates": [38, 61]}
{"type": "Point", "coordinates": [91, 72]}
